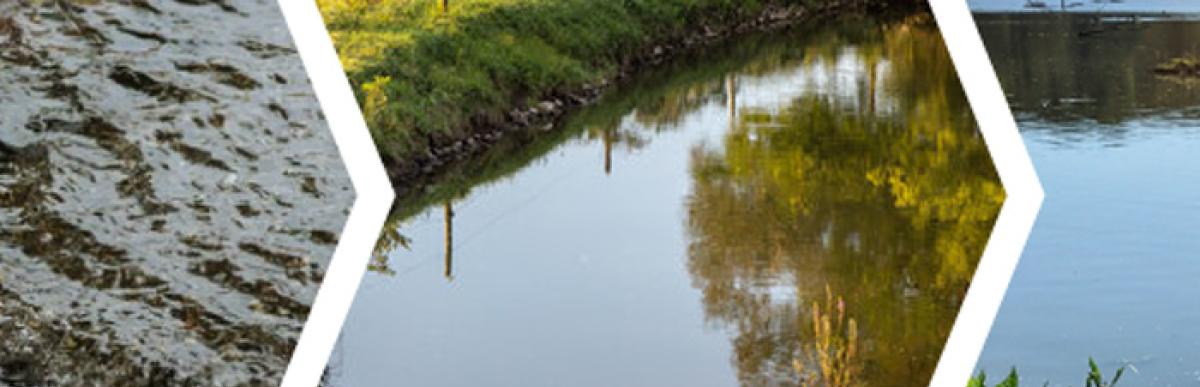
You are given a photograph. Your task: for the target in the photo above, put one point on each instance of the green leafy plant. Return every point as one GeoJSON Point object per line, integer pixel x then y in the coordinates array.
{"type": "Point", "coordinates": [1095, 378]}
{"type": "Point", "coordinates": [981, 380]}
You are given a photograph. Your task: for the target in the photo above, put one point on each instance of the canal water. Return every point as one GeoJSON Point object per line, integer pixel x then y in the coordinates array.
{"type": "Point", "coordinates": [169, 193]}
{"type": "Point", "coordinates": [684, 230]}
{"type": "Point", "coordinates": [1110, 267]}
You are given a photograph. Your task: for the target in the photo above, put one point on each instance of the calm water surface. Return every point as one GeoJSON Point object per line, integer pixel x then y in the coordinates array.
{"type": "Point", "coordinates": [169, 193]}
{"type": "Point", "coordinates": [1138, 6]}
{"type": "Point", "coordinates": [678, 232]}
{"type": "Point", "coordinates": [1111, 266]}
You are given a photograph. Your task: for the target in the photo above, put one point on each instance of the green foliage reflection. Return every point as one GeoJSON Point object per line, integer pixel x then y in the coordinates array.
{"type": "Point", "coordinates": [888, 195]}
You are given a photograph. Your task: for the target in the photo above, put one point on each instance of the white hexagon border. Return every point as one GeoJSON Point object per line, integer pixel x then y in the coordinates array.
{"type": "Point", "coordinates": [374, 194]}
{"type": "Point", "coordinates": [1024, 194]}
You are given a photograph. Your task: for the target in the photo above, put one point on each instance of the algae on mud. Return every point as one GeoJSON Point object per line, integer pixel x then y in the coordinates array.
{"type": "Point", "coordinates": [169, 193]}
{"type": "Point", "coordinates": [674, 232]}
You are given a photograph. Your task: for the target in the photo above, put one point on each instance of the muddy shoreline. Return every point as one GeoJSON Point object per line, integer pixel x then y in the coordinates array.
{"type": "Point", "coordinates": [545, 115]}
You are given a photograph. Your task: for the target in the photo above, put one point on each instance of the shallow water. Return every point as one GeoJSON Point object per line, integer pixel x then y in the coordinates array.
{"type": "Point", "coordinates": [1110, 267]}
{"type": "Point", "coordinates": [169, 193]}
{"type": "Point", "coordinates": [679, 231]}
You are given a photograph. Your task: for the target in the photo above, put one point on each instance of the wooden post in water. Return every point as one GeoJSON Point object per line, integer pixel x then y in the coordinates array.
{"type": "Point", "coordinates": [449, 241]}
{"type": "Point", "coordinates": [871, 86]}
{"type": "Point", "coordinates": [606, 135]}
{"type": "Point", "coordinates": [731, 99]}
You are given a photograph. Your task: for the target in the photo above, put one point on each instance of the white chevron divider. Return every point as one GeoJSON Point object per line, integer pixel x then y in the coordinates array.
{"type": "Point", "coordinates": [373, 192]}
{"type": "Point", "coordinates": [1024, 194]}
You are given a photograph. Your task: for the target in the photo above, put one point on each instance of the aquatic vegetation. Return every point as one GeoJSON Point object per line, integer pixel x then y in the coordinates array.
{"type": "Point", "coordinates": [1183, 71]}
{"type": "Point", "coordinates": [1182, 66]}
{"type": "Point", "coordinates": [1095, 378]}
{"type": "Point", "coordinates": [835, 346]}
{"type": "Point", "coordinates": [980, 380]}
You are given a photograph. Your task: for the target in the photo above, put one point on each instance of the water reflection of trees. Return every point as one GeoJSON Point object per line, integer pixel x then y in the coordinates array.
{"type": "Point", "coordinates": [889, 208]}
{"type": "Point", "coordinates": [1054, 67]}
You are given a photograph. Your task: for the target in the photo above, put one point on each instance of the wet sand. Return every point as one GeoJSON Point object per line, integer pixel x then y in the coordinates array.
{"type": "Point", "coordinates": [169, 193]}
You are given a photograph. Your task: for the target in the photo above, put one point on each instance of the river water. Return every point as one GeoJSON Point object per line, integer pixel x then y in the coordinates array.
{"type": "Point", "coordinates": [169, 193]}
{"type": "Point", "coordinates": [682, 231]}
{"type": "Point", "coordinates": [1110, 265]}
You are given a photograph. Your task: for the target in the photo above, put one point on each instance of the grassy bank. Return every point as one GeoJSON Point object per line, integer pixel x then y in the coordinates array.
{"type": "Point", "coordinates": [428, 77]}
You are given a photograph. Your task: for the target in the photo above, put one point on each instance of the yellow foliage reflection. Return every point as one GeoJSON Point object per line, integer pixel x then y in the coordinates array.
{"type": "Point", "coordinates": [885, 192]}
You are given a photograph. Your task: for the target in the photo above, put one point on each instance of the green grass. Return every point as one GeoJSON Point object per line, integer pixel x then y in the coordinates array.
{"type": "Point", "coordinates": [1095, 378]}
{"type": "Point", "coordinates": [519, 149]}
{"type": "Point", "coordinates": [425, 76]}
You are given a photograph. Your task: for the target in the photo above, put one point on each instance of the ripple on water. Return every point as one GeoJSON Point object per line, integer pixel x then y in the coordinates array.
{"type": "Point", "coordinates": [166, 205]}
